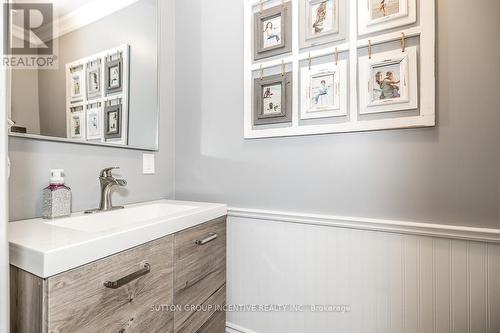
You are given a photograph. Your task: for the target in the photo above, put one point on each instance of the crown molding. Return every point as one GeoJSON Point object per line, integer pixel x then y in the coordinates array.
{"type": "Point", "coordinates": [84, 15]}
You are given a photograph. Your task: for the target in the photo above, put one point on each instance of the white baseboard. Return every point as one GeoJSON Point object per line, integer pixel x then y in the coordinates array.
{"type": "Point", "coordinates": [233, 328]}
{"type": "Point", "coordinates": [371, 224]}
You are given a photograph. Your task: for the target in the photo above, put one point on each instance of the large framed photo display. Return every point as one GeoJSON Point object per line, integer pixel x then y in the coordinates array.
{"type": "Point", "coordinates": [94, 85]}
{"type": "Point", "coordinates": [351, 66]}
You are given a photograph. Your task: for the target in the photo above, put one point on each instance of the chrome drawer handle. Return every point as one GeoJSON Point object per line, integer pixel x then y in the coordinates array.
{"type": "Point", "coordinates": [210, 238]}
{"type": "Point", "coordinates": [129, 278]}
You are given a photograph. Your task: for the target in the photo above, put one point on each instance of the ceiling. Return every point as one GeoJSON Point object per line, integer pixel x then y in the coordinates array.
{"type": "Point", "coordinates": [64, 7]}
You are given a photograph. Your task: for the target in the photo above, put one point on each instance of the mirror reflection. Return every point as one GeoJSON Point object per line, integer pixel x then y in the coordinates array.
{"type": "Point", "coordinates": [104, 89]}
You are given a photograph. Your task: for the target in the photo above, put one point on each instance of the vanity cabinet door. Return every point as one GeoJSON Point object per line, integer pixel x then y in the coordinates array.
{"type": "Point", "coordinates": [79, 301]}
{"type": "Point", "coordinates": [200, 274]}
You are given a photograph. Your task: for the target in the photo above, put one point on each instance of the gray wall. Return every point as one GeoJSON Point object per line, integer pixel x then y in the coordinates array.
{"type": "Point", "coordinates": [447, 174]}
{"type": "Point", "coordinates": [32, 160]}
{"type": "Point", "coordinates": [25, 111]}
{"type": "Point", "coordinates": [134, 25]}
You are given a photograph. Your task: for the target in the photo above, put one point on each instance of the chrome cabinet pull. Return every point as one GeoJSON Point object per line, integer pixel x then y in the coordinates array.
{"type": "Point", "coordinates": [129, 278]}
{"type": "Point", "coordinates": [210, 238]}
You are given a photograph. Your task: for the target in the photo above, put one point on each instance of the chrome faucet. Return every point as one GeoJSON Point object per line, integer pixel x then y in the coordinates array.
{"type": "Point", "coordinates": [107, 183]}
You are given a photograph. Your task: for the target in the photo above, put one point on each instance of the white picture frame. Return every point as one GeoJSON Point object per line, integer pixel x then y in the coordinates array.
{"type": "Point", "coordinates": [373, 16]}
{"type": "Point", "coordinates": [388, 81]}
{"type": "Point", "coordinates": [335, 22]}
{"type": "Point", "coordinates": [324, 90]}
{"type": "Point", "coordinates": [322, 18]}
{"type": "Point", "coordinates": [94, 121]}
{"type": "Point", "coordinates": [76, 123]}
{"type": "Point", "coordinates": [94, 79]}
{"type": "Point", "coordinates": [76, 86]}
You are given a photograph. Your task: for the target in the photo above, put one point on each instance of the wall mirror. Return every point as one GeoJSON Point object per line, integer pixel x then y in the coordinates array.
{"type": "Point", "coordinates": [103, 89]}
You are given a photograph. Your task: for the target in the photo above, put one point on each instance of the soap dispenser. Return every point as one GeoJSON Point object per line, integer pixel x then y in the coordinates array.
{"type": "Point", "coordinates": [56, 196]}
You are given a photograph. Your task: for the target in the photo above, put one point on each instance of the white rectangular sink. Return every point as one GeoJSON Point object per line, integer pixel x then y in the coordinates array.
{"type": "Point", "coordinates": [49, 247]}
{"type": "Point", "coordinates": [129, 216]}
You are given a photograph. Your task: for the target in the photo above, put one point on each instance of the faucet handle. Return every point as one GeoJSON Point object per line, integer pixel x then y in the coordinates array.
{"type": "Point", "coordinates": [108, 172]}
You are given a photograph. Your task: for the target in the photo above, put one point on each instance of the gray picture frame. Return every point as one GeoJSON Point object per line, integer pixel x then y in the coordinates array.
{"type": "Point", "coordinates": [107, 84]}
{"type": "Point", "coordinates": [94, 67]}
{"type": "Point", "coordinates": [286, 99]}
{"type": "Point", "coordinates": [285, 46]}
{"type": "Point", "coordinates": [114, 134]}
{"type": "Point", "coordinates": [307, 39]}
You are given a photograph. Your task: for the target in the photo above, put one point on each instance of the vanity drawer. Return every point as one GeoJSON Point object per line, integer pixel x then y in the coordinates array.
{"type": "Point", "coordinates": [79, 302]}
{"type": "Point", "coordinates": [201, 294]}
{"type": "Point", "coordinates": [199, 251]}
{"type": "Point", "coordinates": [196, 319]}
{"type": "Point", "coordinates": [216, 324]}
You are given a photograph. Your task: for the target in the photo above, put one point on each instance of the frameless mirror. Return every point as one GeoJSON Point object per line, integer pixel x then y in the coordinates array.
{"type": "Point", "coordinates": [86, 72]}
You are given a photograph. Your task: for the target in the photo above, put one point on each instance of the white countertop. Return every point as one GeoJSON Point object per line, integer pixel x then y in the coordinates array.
{"type": "Point", "coordinates": [46, 247]}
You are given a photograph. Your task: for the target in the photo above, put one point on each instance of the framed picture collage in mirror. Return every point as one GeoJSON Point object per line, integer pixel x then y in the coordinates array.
{"type": "Point", "coordinates": [329, 66]}
{"type": "Point", "coordinates": [97, 97]}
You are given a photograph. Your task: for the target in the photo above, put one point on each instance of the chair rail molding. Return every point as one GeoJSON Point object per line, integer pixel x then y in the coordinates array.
{"type": "Point", "coordinates": [372, 224]}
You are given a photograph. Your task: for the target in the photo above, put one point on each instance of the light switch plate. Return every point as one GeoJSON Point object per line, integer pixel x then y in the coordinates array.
{"type": "Point", "coordinates": [148, 164]}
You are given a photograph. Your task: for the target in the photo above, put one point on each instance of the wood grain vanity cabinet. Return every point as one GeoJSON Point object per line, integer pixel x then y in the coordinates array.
{"type": "Point", "coordinates": [173, 284]}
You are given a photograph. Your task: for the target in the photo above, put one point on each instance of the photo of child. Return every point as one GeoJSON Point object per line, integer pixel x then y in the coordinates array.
{"type": "Point", "coordinates": [322, 17]}
{"type": "Point", "coordinates": [93, 128]}
{"type": "Point", "coordinates": [383, 8]}
{"type": "Point", "coordinates": [112, 122]}
{"type": "Point", "coordinates": [114, 76]}
{"type": "Point", "coordinates": [386, 82]}
{"type": "Point", "coordinates": [271, 32]}
{"type": "Point", "coordinates": [322, 94]}
{"type": "Point", "coordinates": [76, 86]}
{"type": "Point", "coordinates": [271, 99]}
{"type": "Point", "coordinates": [76, 126]}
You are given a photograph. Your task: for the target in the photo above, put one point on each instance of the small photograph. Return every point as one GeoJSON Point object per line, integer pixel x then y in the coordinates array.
{"type": "Point", "coordinates": [76, 85]}
{"type": "Point", "coordinates": [271, 97]}
{"type": "Point", "coordinates": [386, 82]}
{"type": "Point", "coordinates": [323, 16]}
{"type": "Point", "coordinates": [272, 34]}
{"type": "Point", "coordinates": [76, 126]}
{"type": "Point", "coordinates": [113, 76]}
{"type": "Point", "coordinates": [94, 123]}
{"type": "Point", "coordinates": [112, 119]}
{"type": "Point", "coordinates": [93, 80]}
{"type": "Point", "coordinates": [384, 8]}
{"type": "Point", "coordinates": [322, 91]}
{"type": "Point", "coordinates": [112, 122]}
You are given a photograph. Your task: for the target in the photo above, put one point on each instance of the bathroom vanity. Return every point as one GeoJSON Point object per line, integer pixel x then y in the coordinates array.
{"type": "Point", "coordinates": [153, 267]}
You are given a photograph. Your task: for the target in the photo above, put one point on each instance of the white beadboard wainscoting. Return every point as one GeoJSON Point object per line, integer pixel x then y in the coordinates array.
{"type": "Point", "coordinates": [397, 277]}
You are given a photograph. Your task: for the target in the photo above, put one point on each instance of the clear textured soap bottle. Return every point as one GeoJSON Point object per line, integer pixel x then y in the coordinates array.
{"type": "Point", "coordinates": [56, 196]}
